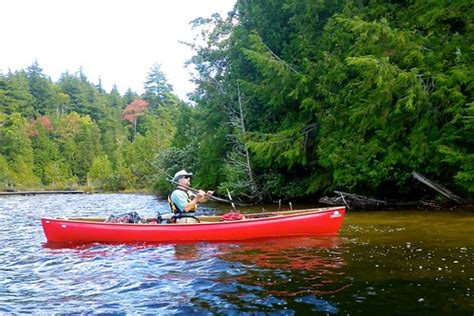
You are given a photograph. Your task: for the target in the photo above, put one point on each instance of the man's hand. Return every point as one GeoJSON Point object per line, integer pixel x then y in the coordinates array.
{"type": "Point", "coordinates": [201, 197]}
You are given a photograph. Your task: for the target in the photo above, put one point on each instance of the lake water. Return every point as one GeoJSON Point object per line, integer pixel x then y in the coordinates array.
{"type": "Point", "coordinates": [397, 262]}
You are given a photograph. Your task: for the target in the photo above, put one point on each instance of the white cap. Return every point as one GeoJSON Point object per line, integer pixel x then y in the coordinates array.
{"type": "Point", "coordinates": [182, 173]}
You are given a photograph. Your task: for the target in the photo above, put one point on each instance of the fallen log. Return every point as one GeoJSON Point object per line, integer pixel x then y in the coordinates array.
{"type": "Point", "coordinates": [356, 201]}
{"type": "Point", "coordinates": [439, 188]}
{"type": "Point", "coordinates": [351, 200]}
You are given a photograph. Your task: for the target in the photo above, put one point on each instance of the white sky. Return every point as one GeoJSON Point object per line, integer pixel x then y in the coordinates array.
{"type": "Point", "coordinates": [116, 40]}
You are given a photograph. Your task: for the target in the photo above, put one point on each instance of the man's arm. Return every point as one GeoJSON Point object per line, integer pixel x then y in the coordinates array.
{"type": "Point", "coordinates": [199, 198]}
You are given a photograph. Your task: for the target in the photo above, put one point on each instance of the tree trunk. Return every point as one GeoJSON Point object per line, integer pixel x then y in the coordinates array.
{"type": "Point", "coordinates": [253, 183]}
{"type": "Point", "coordinates": [135, 127]}
{"type": "Point", "coordinates": [438, 187]}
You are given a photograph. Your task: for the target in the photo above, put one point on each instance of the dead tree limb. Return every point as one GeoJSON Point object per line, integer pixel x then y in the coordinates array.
{"type": "Point", "coordinates": [353, 200]}
{"type": "Point", "coordinates": [276, 56]}
{"type": "Point", "coordinates": [438, 187]}
{"type": "Point", "coordinates": [247, 153]}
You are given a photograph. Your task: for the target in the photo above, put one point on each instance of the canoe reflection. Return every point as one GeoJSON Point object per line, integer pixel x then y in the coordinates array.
{"type": "Point", "coordinates": [288, 253]}
{"type": "Point", "coordinates": [280, 252]}
{"type": "Point", "coordinates": [187, 252]}
{"type": "Point", "coordinates": [283, 267]}
{"type": "Point", "coordinates": [292, 266]}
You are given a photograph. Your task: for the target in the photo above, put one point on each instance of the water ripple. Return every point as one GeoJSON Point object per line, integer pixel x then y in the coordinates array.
{"type": "Point", "coordinates": [371, 267]}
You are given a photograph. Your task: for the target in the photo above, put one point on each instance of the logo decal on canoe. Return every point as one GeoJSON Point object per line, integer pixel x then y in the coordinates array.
{"type": "Point", "coordinates": [336, 214]}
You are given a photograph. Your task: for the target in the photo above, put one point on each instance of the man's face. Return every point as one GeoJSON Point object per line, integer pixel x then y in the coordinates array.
{"type": "Point", "coordinates": [185, 181]}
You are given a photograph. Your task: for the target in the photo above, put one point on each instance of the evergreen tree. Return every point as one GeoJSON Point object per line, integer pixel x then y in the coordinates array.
{"type": "Point", "coordinates": [343, 95]}
{"type": "Point", "coordinates": [129, 96]}
{"type": "Point", "coordinates": [157, 88]}
{"type": "Point", "coordinates": [15, 95]}
{"type": "Point", "coordinates": [41, 89]}
{"type": "Point", "coordinates": [115, 98]}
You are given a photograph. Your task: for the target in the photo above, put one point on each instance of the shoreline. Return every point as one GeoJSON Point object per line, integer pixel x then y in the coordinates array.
{"type": "Point", "coordinates": [351, 205]}
{"type": "Point", "coordinates": [38, 192]}
{"type": "Point", "coordinates": [5, 193]}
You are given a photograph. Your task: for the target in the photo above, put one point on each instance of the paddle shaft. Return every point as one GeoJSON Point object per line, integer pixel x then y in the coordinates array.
{"type": "Point", "coordinates": [231, 201]}
{"type": "Point", "coordinates": [209, 196]}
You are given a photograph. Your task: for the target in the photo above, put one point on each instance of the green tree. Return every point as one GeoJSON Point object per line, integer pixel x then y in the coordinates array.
{"type": "Point", "coordinates": [41, 89]}
{"type": "Point", "coordinates": [15, 95]}
{"type": "Point", "coordinates": [57, 175]}
{"type": "Point", "coordinates": [15, 141]}
{"type": "Point", "coordinates": [24, 176]}
{"type": "Point", "coordinates": [122, 177]}
{"type": "Point", "coordinates": [44, 147]}
{"type": "Point", "coordinates": [341, 95]}
{"type": "Point", "coordinates": [5, 173]}
{"type": "Point", "coordinates": [157, 88]}
{"type": "Point", "coordinates": [80, 143]}
{"type": "Point", "coordinates": [16, 149]}
{"type": "Point", "coordinates": [99, 175]}
{"type": "Point", "coordinates": [116, 100]}
{"type": "Point", "coordinates": [129, 96]}
{"type": "Point", "coordinates": [139, 156]}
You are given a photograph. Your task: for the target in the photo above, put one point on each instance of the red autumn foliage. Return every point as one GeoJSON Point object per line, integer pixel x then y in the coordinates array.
{"type": "Point", "coordinates": [44, 121]}
{"type": "Point", "coordinates": [134, 109]}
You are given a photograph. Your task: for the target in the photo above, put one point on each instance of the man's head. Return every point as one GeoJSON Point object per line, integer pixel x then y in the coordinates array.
{"type": "Point", "coordinates": [182, 177]}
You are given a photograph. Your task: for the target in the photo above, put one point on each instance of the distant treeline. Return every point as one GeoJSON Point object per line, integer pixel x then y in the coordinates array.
{"type": "Point", "coordinates": [73, 134]}
{"type": "Point", "coordinates": [294, 98]}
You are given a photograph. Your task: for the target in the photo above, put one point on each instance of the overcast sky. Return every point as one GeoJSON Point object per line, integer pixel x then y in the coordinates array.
{"type": "Point", "coordinates": [116, 40]}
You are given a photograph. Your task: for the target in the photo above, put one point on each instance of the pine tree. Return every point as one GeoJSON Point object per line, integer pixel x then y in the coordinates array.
{"type": "Point", "coordinates": [41, 89]}
{"type": "Point", "coordinates": [157, 88]}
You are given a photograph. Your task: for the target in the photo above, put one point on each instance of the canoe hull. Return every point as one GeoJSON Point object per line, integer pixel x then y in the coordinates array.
{"type": "Point", "coordinates": [324, 222]}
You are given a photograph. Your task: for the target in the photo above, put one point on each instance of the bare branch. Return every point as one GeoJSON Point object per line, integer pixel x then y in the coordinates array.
{"type": "Point", "coordinates": [276, 56]}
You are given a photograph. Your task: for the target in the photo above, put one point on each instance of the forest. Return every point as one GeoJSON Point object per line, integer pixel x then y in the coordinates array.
{"type": "Point", "coordinates": [294, 99]}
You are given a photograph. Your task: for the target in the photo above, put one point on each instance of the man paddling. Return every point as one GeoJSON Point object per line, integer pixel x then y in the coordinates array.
{"type": "Point", "coordinates": [183, 204]}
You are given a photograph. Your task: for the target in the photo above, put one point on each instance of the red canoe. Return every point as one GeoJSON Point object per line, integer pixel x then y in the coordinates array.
{"type": "Point", "coordinates": [323, 221]}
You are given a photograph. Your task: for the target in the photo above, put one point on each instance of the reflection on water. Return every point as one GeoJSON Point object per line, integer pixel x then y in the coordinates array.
{"type": "Point", "coordinates": [381, 263]}
{"type": "Point", "coordinates": [305, 265]}
{"type": "Point", "coordinates": [187, 252]}
{"type": "Point", "coordinates": [300, 270]}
